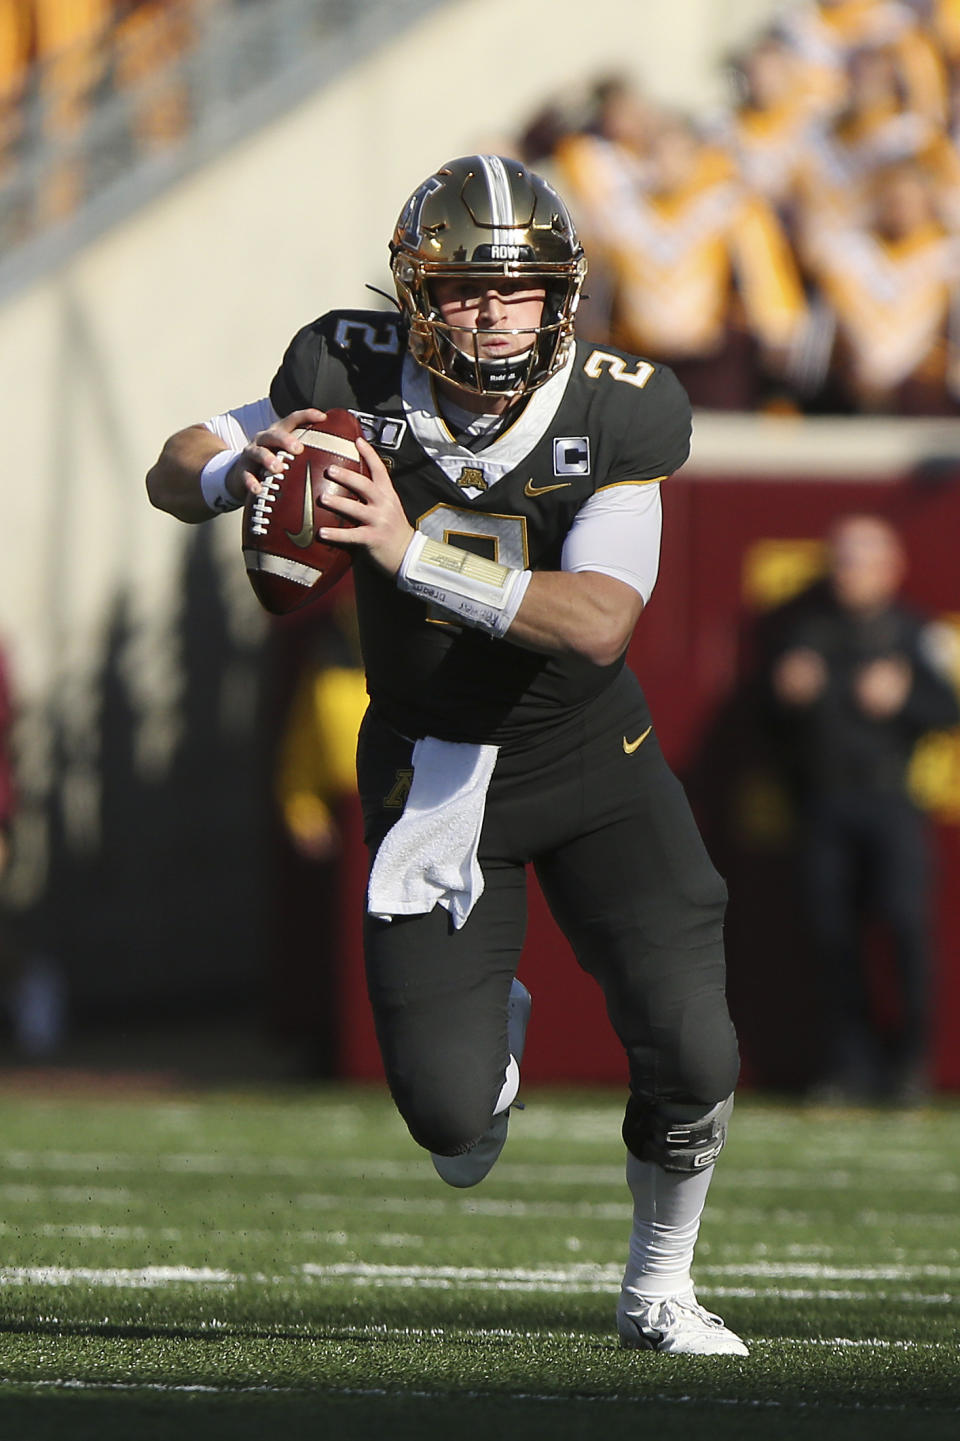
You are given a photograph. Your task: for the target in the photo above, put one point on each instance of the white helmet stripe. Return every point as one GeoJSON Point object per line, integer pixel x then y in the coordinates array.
{"type": "Point", "coordinates": [501, 199]}
{"type": "Point", "coordinates": [487, 215]}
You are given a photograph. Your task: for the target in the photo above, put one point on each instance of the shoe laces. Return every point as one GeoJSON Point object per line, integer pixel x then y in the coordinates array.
{"type": "Point", "coordinates": [674, 1309]}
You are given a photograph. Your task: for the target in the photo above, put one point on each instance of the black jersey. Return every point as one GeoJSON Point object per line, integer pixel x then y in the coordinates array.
{"type": "Point", "coordinates": [608, 418]}
{"type": "Point", "coordinates": [833, 744]}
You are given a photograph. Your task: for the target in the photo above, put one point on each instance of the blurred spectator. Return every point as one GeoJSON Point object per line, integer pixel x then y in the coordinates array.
{"type": "Point", "coordinates": [33, 993]}
{"type": "Point", "coordinates": [924, 69]}
{"type": "Point", "coordinates": [61, 63]}
{"type": "Point", "coordinates": [315, 785]}
{"type": "Point", "coordinates": [317, 760]}
{"type": "Point", "coordinates": [855, 679]}
{"type": "Point", "coordinates": [7, 791]}
{"type": "Point", "coordinates": [876, 128]}
{"type": "Point", "coordinates": [704, 277]}
{"type": "Point", "coordinates": [944, 26]}
{"type": "Point", "coordinates": [15, 39]}
{"type": "Point", "coordinates": [892, 286]}
{"type": "Point", "coordinates": [149, 37]}
{"type": "Point", "coordinates": [797, 254]}
{"type": "Point", "coordinates": [542, 135]}
{"type": "Point", "coordinates": [599, 167]}
{"type": "Point", "coordinates": [953, 109]}
{"type": "Point", "coordinates": [71, 49]}
{"type": "Point", "coordinates": [10, 967]}
{"type": "Point", "coordinates": [613, 138]}
{"type": "Point", "coordinates": [32, 989]}
{"type": "Point", "coordinates": [71, 52]}
{"type": "Point", "coordinates": [768, 130]}
{"type": "Point", "coordinates": [824, 33]}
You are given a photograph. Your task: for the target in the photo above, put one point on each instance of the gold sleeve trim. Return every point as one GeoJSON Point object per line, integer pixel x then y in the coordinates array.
{"type": "Point", "coordinates": [654, 480]}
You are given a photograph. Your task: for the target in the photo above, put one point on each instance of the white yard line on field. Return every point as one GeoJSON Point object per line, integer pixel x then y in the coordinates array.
{"type": "Point", "coordinates": [516, 1172]}
{"type": "Point", "coordinates": [571, 1279]}
{"type": "Point", "coordinates": [442, 1205]}
{"type": "Point", "coordinates": [71, 1195]}
{"type": "Point", "coordinates": [783, 1293]}
{"type": "Point", "coordinates": [448, 1203]}
{"type": "Point", "coordinates": [122, 1277]}
{"type": "Point", "coordinates": [776, 1179]}
{"type": "Point", "coordinates": [224, 1164]}
{"type": "Point", "coordinates": [95, 1232]}
{"type": "Point", "coordinates": [767, 1217]}
{"type": "Point", "coordinates": [579, 1271]}
{"type": "Point", "coordinates": [816, 1270]}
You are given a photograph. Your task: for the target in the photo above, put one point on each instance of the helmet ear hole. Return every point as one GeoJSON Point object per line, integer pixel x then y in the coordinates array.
{"type": "Point", "coordinates": [488, 216]}
{"type": "Point", "coordinates": [433, 303]}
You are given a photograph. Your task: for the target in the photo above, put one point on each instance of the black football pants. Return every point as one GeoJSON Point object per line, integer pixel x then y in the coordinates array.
{"type": "Point", "coordinates": [626, 875]}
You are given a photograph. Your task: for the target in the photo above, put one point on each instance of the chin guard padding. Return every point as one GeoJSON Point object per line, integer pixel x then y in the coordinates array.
{"type": "Point", "coordinates": [675, 1136]}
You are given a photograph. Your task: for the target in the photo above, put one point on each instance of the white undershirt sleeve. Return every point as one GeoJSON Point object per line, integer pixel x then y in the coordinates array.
{"type": "Point", "coordinates": [236, 427]}
{"type": "Point", "coordinates": [617, 532]}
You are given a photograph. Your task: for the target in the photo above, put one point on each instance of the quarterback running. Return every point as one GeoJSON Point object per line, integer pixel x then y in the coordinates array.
{"type": "Point", "coordinates": [505, 542]}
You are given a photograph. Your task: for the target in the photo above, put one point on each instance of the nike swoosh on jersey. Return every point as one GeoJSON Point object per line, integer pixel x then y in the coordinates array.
{"type": "Point", "coordinates": [531, 489]}
{"type": "Point", "coordinates": [630, 746]}
{"type": "Point", "coordinates": [304, 536]}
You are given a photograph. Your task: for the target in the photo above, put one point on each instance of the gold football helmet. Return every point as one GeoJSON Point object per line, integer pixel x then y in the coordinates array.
{"type": "Point", "coordinates": [482, 216]}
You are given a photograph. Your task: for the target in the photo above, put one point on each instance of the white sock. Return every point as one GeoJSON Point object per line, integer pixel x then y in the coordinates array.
{"type": "Point", "coordinates": [667, 1206]}
{"type": "Point", "coordinates": [509, 1089]}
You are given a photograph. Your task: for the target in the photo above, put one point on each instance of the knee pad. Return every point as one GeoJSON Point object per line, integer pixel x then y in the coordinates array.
{"type": "Point", "coordinates": [675, 1136]}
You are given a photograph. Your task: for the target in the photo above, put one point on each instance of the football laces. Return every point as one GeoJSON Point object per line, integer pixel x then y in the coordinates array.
{"type": "Point", "coordinates": [263, 504]}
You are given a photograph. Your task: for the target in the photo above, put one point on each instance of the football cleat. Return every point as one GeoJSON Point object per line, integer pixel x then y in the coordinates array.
{"type": "Point", "coordinates": [471, 1166]}
{"type": "Point", "coordinates": [678, 1326]}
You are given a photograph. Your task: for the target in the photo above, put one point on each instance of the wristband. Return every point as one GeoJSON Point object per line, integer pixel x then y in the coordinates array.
{"type": "Point", "coordinates": [213, 478]}
{"type": "Point", "coordinates": [478, 591]}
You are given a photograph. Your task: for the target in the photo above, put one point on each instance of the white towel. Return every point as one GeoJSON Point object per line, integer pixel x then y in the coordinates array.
{"type": "Point", "coordinates": [430, 854]}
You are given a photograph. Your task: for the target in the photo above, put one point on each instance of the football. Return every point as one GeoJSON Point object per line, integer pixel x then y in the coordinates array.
{"type": "Point", "coordinates": [286, 563]}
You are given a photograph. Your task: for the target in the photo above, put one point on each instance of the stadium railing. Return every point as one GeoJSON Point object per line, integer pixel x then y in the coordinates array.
{"type": "Point", "coordinates": [165, 95]}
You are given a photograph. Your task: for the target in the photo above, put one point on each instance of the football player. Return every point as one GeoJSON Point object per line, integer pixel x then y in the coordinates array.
{"type": "Point", "coordinates": [505, 544]}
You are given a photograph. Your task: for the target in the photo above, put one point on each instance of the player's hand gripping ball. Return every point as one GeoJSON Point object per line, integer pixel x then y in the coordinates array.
{"type": "Point", "coordinates": [287, 565]}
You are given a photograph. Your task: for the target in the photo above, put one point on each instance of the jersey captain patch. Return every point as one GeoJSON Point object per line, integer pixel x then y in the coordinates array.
{"type": "Point", "coordinates": [571, 455]}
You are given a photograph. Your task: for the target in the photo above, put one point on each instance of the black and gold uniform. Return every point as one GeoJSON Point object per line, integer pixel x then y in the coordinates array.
{"type": "Point", "coordinates": [607, 419]}
{"type": "Point", "coordinates": [580, 787]}
{"type": "Point", "coordinates": [502, 729]}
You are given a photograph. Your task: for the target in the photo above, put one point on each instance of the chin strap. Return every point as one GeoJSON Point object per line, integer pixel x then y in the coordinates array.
{"type": "Point", "coordinates": [498, 377]}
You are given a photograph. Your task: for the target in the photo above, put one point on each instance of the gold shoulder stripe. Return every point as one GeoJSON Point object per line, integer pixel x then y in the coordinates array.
{"type": "Point", "coordinates": [654, 480]}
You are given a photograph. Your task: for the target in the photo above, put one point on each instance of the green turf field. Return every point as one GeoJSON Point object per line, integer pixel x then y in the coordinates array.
{"type": "Point", "coordinates": [288, 1265]}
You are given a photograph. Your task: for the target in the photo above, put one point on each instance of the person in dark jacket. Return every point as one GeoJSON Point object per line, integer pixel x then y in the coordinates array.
{"type": "Point", "coordinates": [856, 678]}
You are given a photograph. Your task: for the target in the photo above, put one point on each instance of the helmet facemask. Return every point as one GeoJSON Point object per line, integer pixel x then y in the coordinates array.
{"type": "Point", "coordinates": [487, 219]}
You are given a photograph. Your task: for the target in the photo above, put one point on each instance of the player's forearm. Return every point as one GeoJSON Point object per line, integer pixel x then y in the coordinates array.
{"type": "Point", "coordinates": [582, 613]}
{"type": "Point", "coordinates": [173, 483]}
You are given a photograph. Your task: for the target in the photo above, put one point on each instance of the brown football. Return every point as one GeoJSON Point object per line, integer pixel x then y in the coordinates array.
{"type": "Point", "coordinates": [286, 562]}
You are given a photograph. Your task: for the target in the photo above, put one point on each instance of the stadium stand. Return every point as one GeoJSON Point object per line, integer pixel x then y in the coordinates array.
{"type": "Point", "coordinates": [103, 102]}
{"type": "Point", "coordinates": [760, 249]}
{"type": "Point", "coordinates": [718, 242]}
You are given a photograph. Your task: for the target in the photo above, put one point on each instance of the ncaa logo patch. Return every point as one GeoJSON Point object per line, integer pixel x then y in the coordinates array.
{"type": "Point", "coordinates": [386, 432]}
{"type": "Point", "coordinates": [571, 455]}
